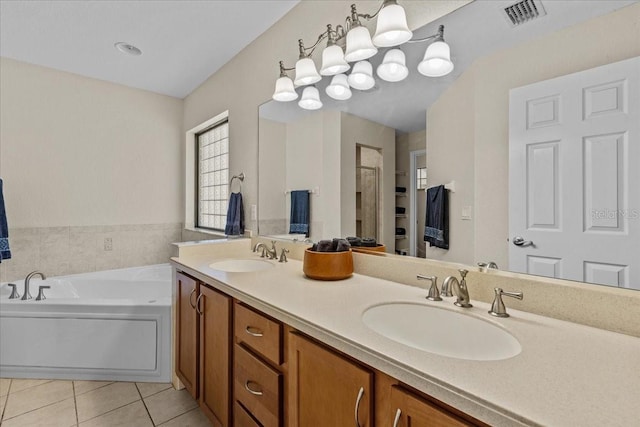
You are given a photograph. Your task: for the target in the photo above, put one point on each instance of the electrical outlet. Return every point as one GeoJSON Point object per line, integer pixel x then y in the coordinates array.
{"type": "Point", "coordinates": [108, 244]}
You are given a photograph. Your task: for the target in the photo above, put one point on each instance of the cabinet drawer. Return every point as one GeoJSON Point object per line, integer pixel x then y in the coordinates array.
{"type": "Point", "coordinates": [258, 332]}
{"type": "Point", "coordinates": [241, 418]}
{"type": "Point", "coordinates": [258, 387]}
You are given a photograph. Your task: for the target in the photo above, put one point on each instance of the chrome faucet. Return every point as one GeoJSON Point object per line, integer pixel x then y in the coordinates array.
{"type": "Point", "coordinates": [269, 253]}
{"type": "Point", "coordinates": [260, 246]}
{"type": "Point", "coordinates": [497, 308]}
{"type": "Point", "coordinates": [434, 294]}
{"type": "Point", "coordinates": [451, 285]}
{"type": "Point", "coordinates": [26, 294]}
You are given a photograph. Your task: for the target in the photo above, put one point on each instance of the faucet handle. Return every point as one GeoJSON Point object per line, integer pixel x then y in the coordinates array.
{"type": "Point", "coordinates": [283, 255]}
{"type": "Point", "coordinates": [434, 293]}
{"type": "Point", "coordinates": [14, 291]}
{"type": "Point", "coordinates": [463, 273]}
{"type": "Point", "coordinates": [497, 308]}
{"type": "Point", "coordinates": [41, 289]}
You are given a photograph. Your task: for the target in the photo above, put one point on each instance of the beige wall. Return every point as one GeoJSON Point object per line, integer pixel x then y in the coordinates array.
{"type": "Point", "coordinates": [467, 128]}
{"type": "Point", "coordinates": [248, 79]}
{"type": "Point", "coordinates": [84, 160]}
{"type": "Point", "coordinates": [273, 142]}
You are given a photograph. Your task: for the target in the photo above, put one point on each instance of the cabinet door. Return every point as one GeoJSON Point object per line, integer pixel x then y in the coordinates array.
{"type": "Point", "coordinates": [214, 309]}
{"type": "Point", "coordinates": [186, 339]}
{"type": "Point", "coordinates": [325, 388]}
{"type": "Point", "coordinates": [409, 410]}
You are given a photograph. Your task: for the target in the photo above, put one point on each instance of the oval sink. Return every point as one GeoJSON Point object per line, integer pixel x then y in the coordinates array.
{"type": "Point", "coordinates": [241, 265]}
{"type": "Point", "coordinates": [442, 332]}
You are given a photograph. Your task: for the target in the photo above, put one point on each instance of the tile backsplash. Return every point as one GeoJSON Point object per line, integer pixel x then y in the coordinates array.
{"type": "Point", "coordinates": [59, 251]}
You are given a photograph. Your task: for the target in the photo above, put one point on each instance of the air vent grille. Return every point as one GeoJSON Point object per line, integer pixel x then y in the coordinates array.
{"type": "Point", "coordinates": [524, 11]}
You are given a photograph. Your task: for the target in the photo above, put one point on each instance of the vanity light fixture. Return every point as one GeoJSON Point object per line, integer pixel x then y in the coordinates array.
{"type": "Point", "coordinates": [391, 30]}
{"type": "Point", "coordinates": [310, 99]}
{"type": "Point", "coordinates": [361, 76]}
{"type": "Point", "coordinates": [339, 88]}
{"type": "Point", "coordinates": [285, 91]}
{"type": "Point", "coordinates": [393, 67]}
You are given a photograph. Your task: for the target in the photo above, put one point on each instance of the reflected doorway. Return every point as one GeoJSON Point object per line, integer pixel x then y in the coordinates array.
{"type": "Point", "coordinates": [368, 164]}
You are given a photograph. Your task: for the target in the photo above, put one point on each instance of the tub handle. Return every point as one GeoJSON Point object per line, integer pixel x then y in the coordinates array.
{"type": "Point", "coordinates": [41, 296]}
{"type": "Point", "coordinates": [198, 304]}
{"type": "Point", "coordinates": [191, 297]}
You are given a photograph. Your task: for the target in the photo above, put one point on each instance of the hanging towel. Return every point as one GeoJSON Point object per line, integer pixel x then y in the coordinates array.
{"type": "Point", "coordinates": [299, 222]}
{"type": "Point", "coordinates": [235, 216]}
{"type": "Point", "coordinates": [5, 253]}
{"type": "Point", "coordinates": [436, 224]}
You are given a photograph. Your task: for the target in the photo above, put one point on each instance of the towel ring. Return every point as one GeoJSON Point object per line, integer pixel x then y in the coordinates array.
{"type": "Point", "coordinates": [240, 178]}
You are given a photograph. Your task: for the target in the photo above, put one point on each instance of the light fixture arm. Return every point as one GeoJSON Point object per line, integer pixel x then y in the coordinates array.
{"type": "Point", "coordinates": [369, 17]}
{"type": "Point", "coordinates": [283, 69]}
{"type": "Point", "coordinates": [439, 36]}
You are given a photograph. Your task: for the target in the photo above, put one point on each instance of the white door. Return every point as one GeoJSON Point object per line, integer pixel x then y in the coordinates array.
{"type": "Point", "coordinates": [574, 176]}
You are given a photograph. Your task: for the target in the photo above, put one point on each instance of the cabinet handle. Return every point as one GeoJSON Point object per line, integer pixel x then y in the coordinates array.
{"type": "Point", "coordinates": [255, 392]}
{"type": "Point", "coordinates": [198, 305]}
{"type": "Point", "coordinates": [191, 297]}
{"type": "Point", "coordinates": [358, 399]}
{"type": "Point", "coordinates": [397, 418]}
{"type": "Point", "coordinates": [253, 331]}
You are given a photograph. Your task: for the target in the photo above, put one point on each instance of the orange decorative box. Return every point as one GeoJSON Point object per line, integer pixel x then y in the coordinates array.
{"type": "Point", "coordinates": [327, 265]}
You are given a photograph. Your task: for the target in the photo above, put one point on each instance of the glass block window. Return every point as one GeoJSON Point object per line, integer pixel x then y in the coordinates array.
{"type": "Point", "coordinates": [213, 177]}
{"type": "Point", "coordinates": [421, 178]}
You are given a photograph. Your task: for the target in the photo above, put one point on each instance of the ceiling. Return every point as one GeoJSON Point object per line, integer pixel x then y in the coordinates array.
{"type": "Point", "coordinates": [183, 42]}
{"type": "Point", "coordinates": [473, 31]}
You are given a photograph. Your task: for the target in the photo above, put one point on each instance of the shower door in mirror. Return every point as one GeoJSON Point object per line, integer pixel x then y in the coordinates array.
{"type": "Point", "coordinates": [574, 151]}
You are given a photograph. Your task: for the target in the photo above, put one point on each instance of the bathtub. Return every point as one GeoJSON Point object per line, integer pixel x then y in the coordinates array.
{"type": "Point", "coordinates": [108, 325]}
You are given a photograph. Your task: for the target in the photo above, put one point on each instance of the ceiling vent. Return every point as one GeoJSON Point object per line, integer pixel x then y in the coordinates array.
{"type": "Point", "coordinates": [524, 11]}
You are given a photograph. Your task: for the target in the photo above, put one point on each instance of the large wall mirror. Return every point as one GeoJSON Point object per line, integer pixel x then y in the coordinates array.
{"type": "Point", "coordinates": [495, 132]}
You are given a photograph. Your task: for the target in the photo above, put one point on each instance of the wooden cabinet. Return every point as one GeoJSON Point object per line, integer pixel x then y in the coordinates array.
{"type": "Point", "coordinates": [326, 389]}
{"type": "Point", "coordinates": [257, 367]}
{"type": "Point", "coordinates": [214, 309]}
{"type": "Point", "coordinates": [410, 410]}
{"type": "Point", "coordinates": [186, 338]}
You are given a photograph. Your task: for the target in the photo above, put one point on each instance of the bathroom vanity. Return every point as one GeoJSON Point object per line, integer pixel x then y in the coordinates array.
{"type": "Point", "coordinates": [271, 347]}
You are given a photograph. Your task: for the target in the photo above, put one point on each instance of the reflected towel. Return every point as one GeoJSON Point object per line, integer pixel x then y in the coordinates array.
{"type": "Point", "coordinates": [436, 225]}
{"type": "Point", "coordinates": [235, 216]}
{"type": "Point", "coordinates": [5, 253]}
{"type": "Point", "coordinates": [299, 222]}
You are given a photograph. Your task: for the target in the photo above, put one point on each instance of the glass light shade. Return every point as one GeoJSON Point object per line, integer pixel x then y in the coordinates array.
{"type": "Point", "coordinates": [391, 28]}
{"type": "Point", "coordinates": [359, 45]}
{"type": "Point", "coordinates": [284, 90]}
{"type": "Point", "coordinates": [306, 73]}
{"type": "Point", "coordinates": [333, 61]}
{"type": "Point", "coordinates": [310, 99]}
{"type": "Point", "coordinates": [393, 68]}
{"type": "Point", "coordinates": [361, 76]}
{"type": "Point", "coordinates": [339, 88]}
{"type": "Point", "coordinates": [437, 60]}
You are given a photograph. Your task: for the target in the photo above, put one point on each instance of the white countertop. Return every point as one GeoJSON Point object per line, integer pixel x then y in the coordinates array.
{"type": "Point", "coordinates": [566, 375]}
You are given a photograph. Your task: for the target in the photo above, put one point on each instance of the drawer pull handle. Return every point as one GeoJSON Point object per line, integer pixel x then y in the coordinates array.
{"type": "Point", "coordinates": [358, 399]}
{"type": "Point", "coordinates": [253, 331]}
{"type": "Point", "coordinates": [191, 297]}
{"type": "Point", "coordinates": [250, 390]}
{"type": "Point", "coordinates": [198, 304]}
{"type": "Point", "coordinates": [397, 418]}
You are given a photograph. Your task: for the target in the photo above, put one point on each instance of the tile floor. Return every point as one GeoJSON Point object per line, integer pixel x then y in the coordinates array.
{"type": "Point", "coordinates": [95, 404]}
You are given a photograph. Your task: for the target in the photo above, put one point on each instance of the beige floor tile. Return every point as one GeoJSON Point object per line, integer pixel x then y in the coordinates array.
{"type": "Point", "coordinates": [20, 384]}
{"type": "Point", "coordinates": [193, 418]}
{"type": "Point", "coordinates": [147, 389]}
{"type": "Point", "coordinates": [169, 404]}
{"type": "Point", "coordinates": [61, 414]}
{"type": "Point", "coordinates": [81, 387]}
{"type": "Point", "coordinates": [37, 397]}
{"type": "Point", "coordinates": [4, 386]}
{"type": "Point", "coordinates": [3, 400]}
{"type": "Point", "coordinates": [105, 399]}
{"type": "Point", "coordinates": [132, 415]}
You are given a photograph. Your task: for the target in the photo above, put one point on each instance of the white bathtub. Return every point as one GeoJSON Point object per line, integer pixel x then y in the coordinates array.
{"type": "Point", "coordinates": [108, 325]}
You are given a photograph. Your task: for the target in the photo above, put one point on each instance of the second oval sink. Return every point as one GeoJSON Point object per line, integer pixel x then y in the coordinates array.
{"type": "Point", "coordinates": [241, 265]}
{"type": "Point", "coordinates": [442, 332]}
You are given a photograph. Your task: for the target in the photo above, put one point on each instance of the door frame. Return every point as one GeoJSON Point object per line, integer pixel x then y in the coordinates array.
{"type": "Point", "coordinates": [413, 208]}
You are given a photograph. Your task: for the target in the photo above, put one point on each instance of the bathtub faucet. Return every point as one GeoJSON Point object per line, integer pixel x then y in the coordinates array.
{"type": "Point", "coordinates": [26, 294]}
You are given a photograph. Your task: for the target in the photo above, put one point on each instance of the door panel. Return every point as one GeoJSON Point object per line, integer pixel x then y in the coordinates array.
{"type": "Point", "coordinates": [574, 147]}
{"type": "Point", "coordinates": [186, 345]}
